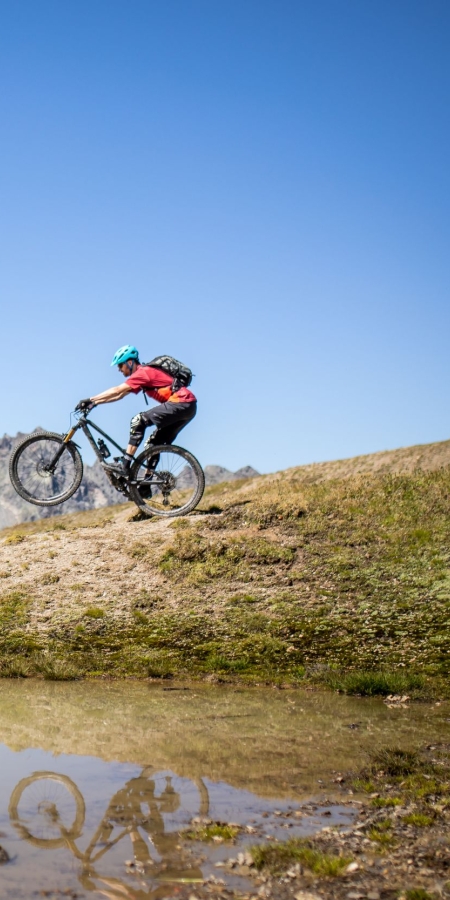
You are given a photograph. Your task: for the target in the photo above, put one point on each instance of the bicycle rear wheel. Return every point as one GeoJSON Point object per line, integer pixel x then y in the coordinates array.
{"type": "Point", "coordinates": [166, 481]}
{"type": "Point", "coordinates": [35, 477]}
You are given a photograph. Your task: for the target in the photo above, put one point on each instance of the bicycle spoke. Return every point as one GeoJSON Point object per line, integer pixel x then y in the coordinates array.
{"type": "Point", "coordinates": [167, 481]}
{"type": "Point", "coordinates": [38, 475]}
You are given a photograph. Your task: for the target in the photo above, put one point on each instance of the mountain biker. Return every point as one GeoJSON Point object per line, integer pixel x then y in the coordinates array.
{"type": "Point", "coordinates": [175, 408]}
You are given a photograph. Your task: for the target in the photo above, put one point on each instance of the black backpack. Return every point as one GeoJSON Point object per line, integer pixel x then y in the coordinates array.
{"type": "Point", "coordinates": [181, 374]}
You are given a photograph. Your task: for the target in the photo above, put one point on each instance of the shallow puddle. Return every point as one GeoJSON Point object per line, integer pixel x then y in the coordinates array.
{"type": "Point", "coordinates": [98, 779]}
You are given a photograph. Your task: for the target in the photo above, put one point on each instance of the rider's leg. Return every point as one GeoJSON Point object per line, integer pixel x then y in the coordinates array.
{"type": "Point", "coordinates": [137, 430]}
{"type": "Point", "coordinates": [168, 426]}
{"type": "Point", "coordinates": [169, 418]}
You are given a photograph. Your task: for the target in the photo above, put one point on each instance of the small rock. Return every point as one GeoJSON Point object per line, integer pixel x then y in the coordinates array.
{"type": "Point", "coordinates": [306, 895]}
{"type": "Point", "coordinates": [352, 867]}
{"type": "Point", "coordinates": [244, 870]}
{"type": "Point", "coordinates": [373, 895]}
{"type": "Point", "coordinates": [4, 858]}
{"type": "Point", "coordinates": [354, 895]}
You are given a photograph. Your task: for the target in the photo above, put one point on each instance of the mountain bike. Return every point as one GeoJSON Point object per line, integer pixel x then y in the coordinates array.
{"type": "Point", "coordinates": [46, 468]}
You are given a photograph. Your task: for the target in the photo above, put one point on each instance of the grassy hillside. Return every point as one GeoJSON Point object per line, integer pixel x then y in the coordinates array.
{"type": "Point", "coordinates": [279, 578]}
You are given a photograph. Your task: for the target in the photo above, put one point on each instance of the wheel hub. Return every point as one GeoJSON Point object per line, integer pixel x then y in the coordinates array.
{"type": "Point", "coordinates": [168, 481]}
{"type": "Point", "coordinates": [43, 470]}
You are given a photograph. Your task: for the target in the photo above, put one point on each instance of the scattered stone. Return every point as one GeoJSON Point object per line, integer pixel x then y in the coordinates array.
{"type": "Point", "coordinates": [4, 857]}
{"type": "Point", "coordinates": [295, 871]}
{"type": "Point", "coordinates": [306, 895]}
{"type": "Point", "coordinates": [352, 867]}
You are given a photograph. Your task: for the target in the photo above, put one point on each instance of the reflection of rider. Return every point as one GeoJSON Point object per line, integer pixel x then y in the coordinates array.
{"type": "Point", "coordinates": [126, 807]}
{"type": "Point", "coordinates": [176, 407]}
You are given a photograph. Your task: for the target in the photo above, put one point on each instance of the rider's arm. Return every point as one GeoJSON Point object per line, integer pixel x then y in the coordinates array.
{"type": "Point", "coordinates": [112, 394]}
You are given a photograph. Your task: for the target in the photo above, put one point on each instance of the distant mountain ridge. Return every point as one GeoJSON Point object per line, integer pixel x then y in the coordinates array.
{"type": "Point", "coordinates": [94, 492]}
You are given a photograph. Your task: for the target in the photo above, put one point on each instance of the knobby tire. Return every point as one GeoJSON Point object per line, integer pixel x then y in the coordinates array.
{"type": "Point", "coordinates": [148, 507]}
{"type": "Point", "coordinates": [36, 439]}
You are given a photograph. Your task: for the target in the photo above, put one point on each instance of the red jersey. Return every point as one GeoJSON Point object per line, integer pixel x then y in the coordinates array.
{"type": "Point", "coordinates": [158, 384]}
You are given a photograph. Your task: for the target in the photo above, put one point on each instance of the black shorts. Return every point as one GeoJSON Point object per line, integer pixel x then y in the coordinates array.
{"type": "Point", "coordinates": [169, 418]}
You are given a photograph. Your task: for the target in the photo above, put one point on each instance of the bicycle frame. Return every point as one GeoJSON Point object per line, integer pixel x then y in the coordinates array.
{"type": "Point", "coordinates": [84, 423]}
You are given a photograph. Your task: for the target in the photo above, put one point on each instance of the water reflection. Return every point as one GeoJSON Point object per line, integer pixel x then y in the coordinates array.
{"type": "Point", "coordinates": [97, 780]}
{"type": "Point", "coordinates": [130, 845]}
{"type": "Point", "coordinates": [48, 810]}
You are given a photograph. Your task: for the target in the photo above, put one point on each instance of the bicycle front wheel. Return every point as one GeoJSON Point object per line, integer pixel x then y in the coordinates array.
{"type": "Point", "coordinates": [35, 474]}
{"type": "Point", "coordinates": [47, 809]}
{"type": "Point", "coordinates": [166, 481]}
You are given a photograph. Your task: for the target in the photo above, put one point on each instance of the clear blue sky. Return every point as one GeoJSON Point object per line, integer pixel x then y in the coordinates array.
{"type": "Point", "coordinates": [259, 188]}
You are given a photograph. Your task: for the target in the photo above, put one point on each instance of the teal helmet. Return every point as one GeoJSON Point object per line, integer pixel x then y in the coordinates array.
{"type": "Point", "coordinates": [123, 354]}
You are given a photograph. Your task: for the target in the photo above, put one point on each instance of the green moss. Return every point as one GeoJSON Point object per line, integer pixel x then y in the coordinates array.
{"type": "Point", "coordinates": [198, 559]}
{"type": "Point", "coordinates": [421, 786]}
{"type": "Point", "coordinates": [371, 684]}
{"type": "Point", "coordinates": [419, 894]}
{"type": "Point", "coordinates": [419, 820]}
{"type": "Point", "coordinates": [278, 857]}
{"type": "Point", "coordinates": [215, 830]}
{"type": "Point", "coordinates": [14, 609]}
{"type": "Point", "coordinates": [381, 802]}
{"type": "Point", "coordinates": [94, 612]}
{"type": "Point", "coordinates": [381, 833]}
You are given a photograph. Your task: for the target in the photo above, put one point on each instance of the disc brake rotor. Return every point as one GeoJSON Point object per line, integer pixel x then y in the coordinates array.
{"type": "Point", "coordinates": [43, 470]}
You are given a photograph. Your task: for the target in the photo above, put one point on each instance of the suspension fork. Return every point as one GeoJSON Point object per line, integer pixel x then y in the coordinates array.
{"type": "Point", "coordinates": [66, 439]}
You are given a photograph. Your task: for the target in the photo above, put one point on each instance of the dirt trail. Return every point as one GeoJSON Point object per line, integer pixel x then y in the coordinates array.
{"type": "Point", "coordinates": [67, 571]}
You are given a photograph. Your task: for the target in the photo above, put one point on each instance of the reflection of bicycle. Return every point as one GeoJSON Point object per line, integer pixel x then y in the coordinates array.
{"type": "Point", "coordinates": [59, 809]}
{"type": "Point", "coordinates": [46, 469]}
{"type": "Point", "coordinates": [48, 811]}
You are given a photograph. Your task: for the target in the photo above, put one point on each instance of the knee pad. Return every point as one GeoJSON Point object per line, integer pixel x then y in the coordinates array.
{"type": "Point", "coordinates": [136, 423]}
{"type": "Point", "coordinates": [137, 428]}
